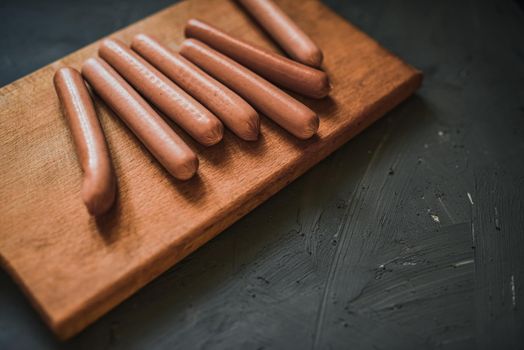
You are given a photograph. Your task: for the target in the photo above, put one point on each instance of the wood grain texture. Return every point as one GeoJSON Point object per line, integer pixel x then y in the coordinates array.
{"type": "Point", "coordinates": [75, 268]}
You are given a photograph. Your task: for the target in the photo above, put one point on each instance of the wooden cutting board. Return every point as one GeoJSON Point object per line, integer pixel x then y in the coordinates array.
{"type": "Point", "coordinates": [75, 268]}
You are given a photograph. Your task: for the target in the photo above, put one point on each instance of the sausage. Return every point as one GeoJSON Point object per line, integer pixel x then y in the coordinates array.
{"type": "Point", "coordinates": [167, 147]}
{"type": "Point", "coordinates": [284, 31]}
{"type": "Point", "coordinates": [290, 114]}
{"type": "Point", "coordinates": [232, 110]}
{"type": "Point", "coordinates": [99, 184]}
{"type": "Point", "coordinates": [174, 102]}
{"type": "Point", "coordinates": [278, 69]}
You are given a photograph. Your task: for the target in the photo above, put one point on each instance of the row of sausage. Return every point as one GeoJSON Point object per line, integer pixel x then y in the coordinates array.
{"type": "Point", "coordinates": [215, 79]}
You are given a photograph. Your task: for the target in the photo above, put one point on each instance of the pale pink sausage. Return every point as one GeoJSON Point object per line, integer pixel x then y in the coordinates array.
{"type": "Point", "coordinates": [167, 147]}
{"type": "Point", "coordinates": [232, 110]}
{"type": "Point", "coordinates": [284, 31]}
{"type": "Point", "coordinates": [276, 68]}
{"type": "Point", "coordinates": [174, 102]}
{"type": "Point", "coordinates": [283, 109]}
{"type": "Point", "coordinates": [99, 185]}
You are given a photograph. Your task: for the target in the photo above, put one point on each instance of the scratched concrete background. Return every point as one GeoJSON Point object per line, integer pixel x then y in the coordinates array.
{"type": "Point", "coordinates": [410, 236]}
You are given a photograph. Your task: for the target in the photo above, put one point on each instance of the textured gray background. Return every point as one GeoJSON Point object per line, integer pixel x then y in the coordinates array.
{"type": "Point", "coordinates": [377, 247]}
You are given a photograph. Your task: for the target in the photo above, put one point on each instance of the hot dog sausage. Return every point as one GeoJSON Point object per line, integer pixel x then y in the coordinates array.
{"type": "Point", "coordinates": [284, 31]}
{"type": "Point", "coordinates": [234, 112]}
{"type": "Point", "coordinates": [99, 185]}
{"type": "Point", "coordinates": [267, 98]}
{"type": "Point", "coordinates": [174, 102]}
{"type": "Point", "coordinates": [167, 147]}
{"type": "Point", "coordinates": [278, 69]}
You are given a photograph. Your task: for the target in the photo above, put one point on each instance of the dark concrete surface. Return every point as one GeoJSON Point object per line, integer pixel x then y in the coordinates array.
{"type": "Point", "coordinates": [408, 237]}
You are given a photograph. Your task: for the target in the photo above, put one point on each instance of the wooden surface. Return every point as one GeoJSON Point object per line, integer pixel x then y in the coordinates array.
{"type": "Point", "coordinates": [74, 268]}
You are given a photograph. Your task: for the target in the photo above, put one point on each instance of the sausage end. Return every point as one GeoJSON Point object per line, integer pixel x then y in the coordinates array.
{"type": "Point", "coordinates": [212, 133]}
{"type": "Point", "coordinates": [251, 128]}
{"type": "Point", "coordinates": [98, 195]}
{"type": "Point", "coordinates": [312, 57]}
{"type": "Point", "coordinates": [190, 25]}
{"type": "Point", "coordinates": [311, 127]}
{"type": "Point", "coordinates": [188, 167]}
{"type": "Point", "coordinates": [61, 72]}
{"type": "Point", "coordinates": [140, 40]}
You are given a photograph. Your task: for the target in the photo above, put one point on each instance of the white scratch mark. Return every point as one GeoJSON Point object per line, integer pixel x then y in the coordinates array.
{"type": "Point", "coordinates": [446, 210]}
{"type": "Point", "coordinates": [409, 263]}
{"type": "Point", "coordinates": [513, 296]}
{"type": "Point", "coordinates": [435, 218]}
{"type": "Point", "coordinates": [462, 263]}
{"type": "Point", "coordinates": [470, 199]}
{"type": "Point", "coordinates": [497, 221]}
{"type": "Point", "coordinates": [473, 232]}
